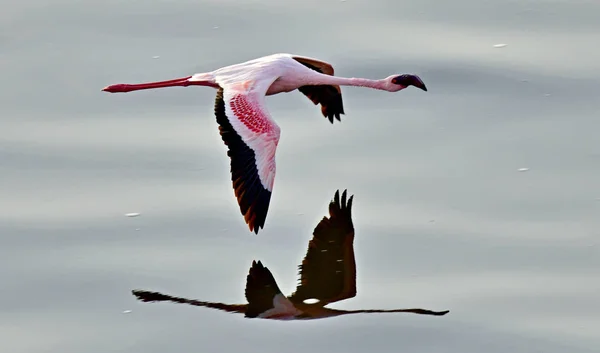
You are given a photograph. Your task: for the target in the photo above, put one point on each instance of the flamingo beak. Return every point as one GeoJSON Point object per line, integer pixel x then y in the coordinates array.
{"type": "Point", "coordinates": [417, 82]}
{"type": "Point", "coordinates": [409, 80]}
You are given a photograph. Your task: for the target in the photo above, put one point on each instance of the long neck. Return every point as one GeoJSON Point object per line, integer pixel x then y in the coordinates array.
{"type": "Point", "coordinates": [321, 79]}
{"type": "Point", "coordinates": [147, 296]}
{"type": "Point", "coordinates": [414, 311]}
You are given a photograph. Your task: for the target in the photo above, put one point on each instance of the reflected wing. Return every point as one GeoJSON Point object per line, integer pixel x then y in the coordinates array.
{"type": "Point", "coordinates": [265, 300]}
{"type": "Point", "coordinates": [328, 271]}
{"type": "Point", "coordinates": [251, 137]}
{"type": "Point", "coordinates": [329, 96]}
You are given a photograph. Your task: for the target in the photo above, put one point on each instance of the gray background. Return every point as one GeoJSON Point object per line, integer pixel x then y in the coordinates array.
{"type": "Point", "coordinates": [443, 218]}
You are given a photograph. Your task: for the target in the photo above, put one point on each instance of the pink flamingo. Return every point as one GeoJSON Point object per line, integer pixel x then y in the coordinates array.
{"type": "Point", "coordinates": [246, 126]}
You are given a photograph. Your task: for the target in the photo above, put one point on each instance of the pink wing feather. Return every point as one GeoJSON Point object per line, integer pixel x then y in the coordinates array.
{"type": "Point", "coordinates": [252, 137]}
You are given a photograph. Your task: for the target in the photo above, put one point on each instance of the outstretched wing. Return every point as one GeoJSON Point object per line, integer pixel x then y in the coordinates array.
{"type": "Point", "coordinates": [329, 96]}
{"type": "Point", "coordinates": [251, 137]}
{"type": "Point", "coordinates": [328, 271]}
{"type": "Point", "coordinates": [265, 300]}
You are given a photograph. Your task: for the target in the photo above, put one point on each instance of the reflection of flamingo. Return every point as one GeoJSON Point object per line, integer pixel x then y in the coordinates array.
{"type": "Point", "coordinates": [328, 274]}
{"type": "Point", "coordinates": [246, 126]}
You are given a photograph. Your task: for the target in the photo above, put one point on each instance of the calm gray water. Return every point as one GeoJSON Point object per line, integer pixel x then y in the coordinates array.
{"type": "Point", "coordinates": [443, 217]}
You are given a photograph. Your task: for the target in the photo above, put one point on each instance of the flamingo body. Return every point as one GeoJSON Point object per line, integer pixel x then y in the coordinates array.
{"type": "Point", "coordinates": [245, 124]}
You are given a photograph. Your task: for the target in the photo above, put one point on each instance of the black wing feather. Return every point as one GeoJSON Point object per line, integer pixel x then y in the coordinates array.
{"type": "Point", "coordinates": [253, 198]}
{"type": "Point", "coordinates": [329, 96]}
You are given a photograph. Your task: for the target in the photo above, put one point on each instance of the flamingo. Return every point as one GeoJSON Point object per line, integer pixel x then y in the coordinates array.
{"type": "Point", "coordinates": [327, 274]}
{"type": "Point", "coordinates": [245, 125]}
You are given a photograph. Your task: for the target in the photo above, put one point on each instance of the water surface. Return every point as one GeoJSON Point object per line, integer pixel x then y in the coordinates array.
{"type": "Point", "coordinates": [443, 218]}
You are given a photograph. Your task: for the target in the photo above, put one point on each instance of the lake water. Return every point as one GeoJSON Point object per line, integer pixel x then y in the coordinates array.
{"type": "Point", "coordinates": [443, 217]}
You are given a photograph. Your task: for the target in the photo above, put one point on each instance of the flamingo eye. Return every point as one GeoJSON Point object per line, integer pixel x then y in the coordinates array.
{"type": "Point", "coordinates": [403, 80]}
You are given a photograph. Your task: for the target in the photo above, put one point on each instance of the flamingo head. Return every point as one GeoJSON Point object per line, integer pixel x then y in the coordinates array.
{"type": "Point", "coordinates": [399, 82]}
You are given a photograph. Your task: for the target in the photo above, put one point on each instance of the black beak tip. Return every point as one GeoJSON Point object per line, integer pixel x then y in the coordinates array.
{"type": "Point", "coordinates": [417, 82]}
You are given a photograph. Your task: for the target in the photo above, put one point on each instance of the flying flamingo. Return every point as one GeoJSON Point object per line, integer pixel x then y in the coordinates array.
{"type": "Point", "coordinates": [327, 273]}
{"type": "Point", "coordinates": [246, 126]}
